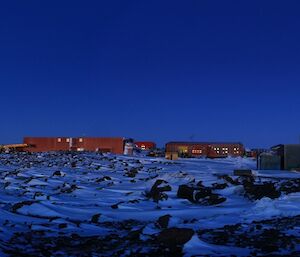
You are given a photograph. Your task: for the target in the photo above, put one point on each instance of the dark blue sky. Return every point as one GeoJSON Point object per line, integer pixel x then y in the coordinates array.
{"type": "Point", "coordinates": [151, 70]}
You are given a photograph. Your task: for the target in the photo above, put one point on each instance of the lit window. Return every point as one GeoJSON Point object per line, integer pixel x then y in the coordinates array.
{"type": "Point", "coordinates": [68, 140]}
{"type": "Point", "coordinates": [59, 140]}
{"type": "Point", "coordinates": [195, 151]}
{"type": "Point", "coordinates": [80, 140]}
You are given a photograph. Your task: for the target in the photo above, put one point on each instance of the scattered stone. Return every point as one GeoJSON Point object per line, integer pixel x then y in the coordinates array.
{"type": "Point", "coordinates": [19, 205]}
{"type": "Point", "coordinates": [105, 178]}
{"type": "Point", "coordinates": [217, 186]}
{"type": "Point", "coordinates": [95, 218]}
{"type": "Point", "coordinates": [290, 186]}
{"type": "Point", "coordinates": [57, 173]}
{"type": "Point", "coordinates": [199, 194]}
{"type": "Point", "coordinates": [70, 189]}
{"type": "Point", "coordinates": [157, 191]}
{"type": "Point", "coordinates": [230, 180]}
{"type": "Point", "coordinates": [132, 172]}
{"type": "Point", "coordinates": [163, 221]}
{"type": "Point", "coordinates": [173, 237]}
{"type": "Point", "coordinates": [63, 225]}
{"type": "Point", "coordinates": [258, 191]}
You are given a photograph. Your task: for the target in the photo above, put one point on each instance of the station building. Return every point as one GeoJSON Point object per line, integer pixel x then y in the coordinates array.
{"type": "Point", "coordinates": [98, 144]}
{"type": "Point", "coordinates": [206, 149]}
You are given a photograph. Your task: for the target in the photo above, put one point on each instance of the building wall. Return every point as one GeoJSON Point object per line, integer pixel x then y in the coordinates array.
{"type": "Point", "coordinates": [291, 157]}
{"type": "Point", "coordinates": [112, 145]}
{"type": "Point", "coordinates": [145, 145]}
{"type": "Point", "coordinates": [44, 144]}
{"type": "Point", "coordinates": [268, 161]}
{"type": "Point", "coordinates": [206, 149]}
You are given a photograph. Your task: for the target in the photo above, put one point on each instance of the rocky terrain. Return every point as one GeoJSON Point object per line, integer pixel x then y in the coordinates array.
{"type": "Point", "coordinates": [89, 204]}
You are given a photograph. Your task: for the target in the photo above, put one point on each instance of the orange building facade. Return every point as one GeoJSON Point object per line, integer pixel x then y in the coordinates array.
{"type": "Point", "coordinates": [92, 144]}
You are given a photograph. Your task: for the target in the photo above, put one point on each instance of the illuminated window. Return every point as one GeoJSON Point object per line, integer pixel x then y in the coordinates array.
{"type": "Point", "coordinates": [195, 151]}
{"type": "Point", "coordinates": [59, 140]}
{"type": "Point", "coordinates": [68, 140]}
{"type": "Point", "coordinates": [80, 140]}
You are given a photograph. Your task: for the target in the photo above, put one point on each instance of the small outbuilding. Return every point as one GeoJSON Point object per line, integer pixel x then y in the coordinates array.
{"type": "Point", "coordinates": [268, 161]}
{"type": "Point", "coordinates": [289, 154]}
{"type": "Point", "coordinates": [280, 157]}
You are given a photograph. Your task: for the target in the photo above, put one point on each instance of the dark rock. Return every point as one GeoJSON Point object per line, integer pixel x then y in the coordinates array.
{"type": "Point", "coordinates": [57, 173]}
{"type": "Point", "coordinates": [105, 178]}
{"type": "Point", "coordinates": [157, 191]}
{"type": "Point", "coordinates": [258, 191]}
{"type": "Point", "coordinates": [215, 199]}
{"type": "Point", "coordinates": [173, 237]}
{"type": "Point", "coordinates": [163, 221]}
{"type": "Point", "coordinates": [230, 180]}
{"type": "Point", "coordinates": [63, 225]}
{"type": "Point", "coordinates": [291, 186]}
{"type": "Point", "coordinates": [217, 186]}
{"type": "Point", "coordinates": [19, 205]}
{"type": "Point", "coordinates": [187, 192]}
{"type": "Point", "coordinates": [95, 218]}
{"type": "Point", "coordinates": [199, 194]}
{"type": "Point", "coordinates": [69, 190]}
{"type": "Point", "coordinates": [132, 172]}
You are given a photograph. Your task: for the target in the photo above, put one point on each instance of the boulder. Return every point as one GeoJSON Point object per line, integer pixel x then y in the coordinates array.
{"type": "Point", "coordinates": [163, 221]}
{"type": "Point", "coordinates": [173, 237]}
{"type": "Point", "coordinates": [157, 191]}
{"type": "Point", "coordinates": [199, 194]}
{"type": "Point", "coordinates": [258, 191]}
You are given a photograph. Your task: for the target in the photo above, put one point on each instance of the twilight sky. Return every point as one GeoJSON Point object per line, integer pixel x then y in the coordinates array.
{"type": "Point", "coordinates": [151, 70]}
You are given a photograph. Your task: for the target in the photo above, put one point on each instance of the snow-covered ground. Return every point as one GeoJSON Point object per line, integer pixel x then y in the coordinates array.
{"type": "Point", "coordinates": [87, 195]}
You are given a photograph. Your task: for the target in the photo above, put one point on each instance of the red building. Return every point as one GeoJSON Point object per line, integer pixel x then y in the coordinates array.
{"type": "Point", "coordinates": [145, 145]}
{"type": "Point", "coordinates": [206, 149]}
{"type": "Point", "coordinates": [45, 144]}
